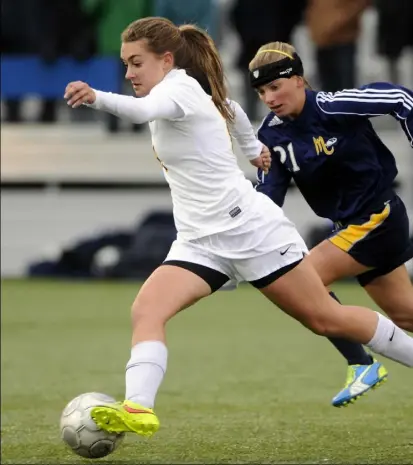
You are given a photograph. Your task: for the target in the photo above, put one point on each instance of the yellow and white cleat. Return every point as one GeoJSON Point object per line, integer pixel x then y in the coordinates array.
{"type": "Point", "coordinates": [126, 417]}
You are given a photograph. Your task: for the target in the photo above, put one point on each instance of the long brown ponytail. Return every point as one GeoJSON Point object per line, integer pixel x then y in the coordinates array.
{"type": "Point", "coordinates": [200, 56]}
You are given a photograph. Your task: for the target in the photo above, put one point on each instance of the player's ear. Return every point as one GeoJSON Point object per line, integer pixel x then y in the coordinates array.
{"type": "Point", "coordinates": [299, 82]}
{"type": "Point", "coordinates": [168, 60]}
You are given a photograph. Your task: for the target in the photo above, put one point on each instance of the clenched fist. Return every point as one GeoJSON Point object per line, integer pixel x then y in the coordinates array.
{"type": "Point", "coordinates": [263, 161]}
{"type": "Point", "coordinates": [78, 92]}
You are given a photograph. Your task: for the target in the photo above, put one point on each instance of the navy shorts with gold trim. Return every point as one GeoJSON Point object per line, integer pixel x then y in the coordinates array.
{"type": "Point", "coordinates": [379, 239]}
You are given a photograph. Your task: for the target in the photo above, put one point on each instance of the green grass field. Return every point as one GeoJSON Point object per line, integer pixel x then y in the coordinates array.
{"type": "Point", "coordinates": [245, 383]}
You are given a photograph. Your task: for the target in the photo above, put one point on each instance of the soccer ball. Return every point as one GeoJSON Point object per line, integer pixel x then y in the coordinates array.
{"type": "Point", "coordinates": [80, 432]}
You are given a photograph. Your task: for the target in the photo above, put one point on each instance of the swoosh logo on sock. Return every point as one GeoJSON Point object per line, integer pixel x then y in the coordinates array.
{"type": "Point", "coordinates": [391, 337]}
{"type": "Point", "coordinates": [134, 410]}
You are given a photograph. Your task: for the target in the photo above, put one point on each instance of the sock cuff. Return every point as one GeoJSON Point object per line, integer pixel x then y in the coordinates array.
{"type": "Point", "coordinates": [154, 352]}
{"type": "Point", "coordinates": [383, 330]}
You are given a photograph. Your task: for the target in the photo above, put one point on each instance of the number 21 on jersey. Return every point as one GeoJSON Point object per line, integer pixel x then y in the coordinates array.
{"type": "Point", "coordinates": [283, 156]}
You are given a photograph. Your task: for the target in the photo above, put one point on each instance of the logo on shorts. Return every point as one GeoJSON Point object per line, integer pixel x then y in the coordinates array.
{"type": "Point", "coordinates": [234, 212]}
{"type": "Point", "coordinates": [286, 250]}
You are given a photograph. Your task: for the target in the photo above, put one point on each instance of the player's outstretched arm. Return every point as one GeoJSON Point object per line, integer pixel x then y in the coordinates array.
{"type": "Point", "coordinates": [156, 105]}
{"type": "Point", "coordinates": [375, 99]}
{"type": "Point", "coordinates": [241, 129]}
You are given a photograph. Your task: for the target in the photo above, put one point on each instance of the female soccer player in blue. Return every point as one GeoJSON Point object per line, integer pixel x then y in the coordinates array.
{"type": "Point", "coordinates": [326, 143]}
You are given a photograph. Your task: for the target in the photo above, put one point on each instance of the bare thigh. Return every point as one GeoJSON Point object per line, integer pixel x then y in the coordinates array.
{"type": "Point", "coordinates": [332, 263]}
{"type": "Point", "coordinates": [302, 295]}
{"type": "Point", "coordinates": [166, 292]}
{"type": "Point", "coordinates": [393, 293]}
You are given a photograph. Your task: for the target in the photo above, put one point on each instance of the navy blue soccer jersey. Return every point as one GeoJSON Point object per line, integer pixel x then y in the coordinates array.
{"type": "Point", "coordinates": [332, 151]}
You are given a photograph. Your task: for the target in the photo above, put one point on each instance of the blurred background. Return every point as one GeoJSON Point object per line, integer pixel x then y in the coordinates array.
{"type": "Point", "coordinates": [82, 194]}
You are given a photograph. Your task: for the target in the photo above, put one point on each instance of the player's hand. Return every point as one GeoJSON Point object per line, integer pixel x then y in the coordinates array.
{"type": "Point", "coordinates": [263, 161]}
{"type": "Point", "coordinates": [78, 92]}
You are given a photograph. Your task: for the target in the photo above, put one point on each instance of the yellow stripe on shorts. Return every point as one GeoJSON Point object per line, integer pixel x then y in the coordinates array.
{"type": "Point", "coordinates": [348, 237]}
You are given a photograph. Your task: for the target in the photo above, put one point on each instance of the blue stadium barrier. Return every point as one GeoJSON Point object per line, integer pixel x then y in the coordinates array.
{"type": "Point", "coordinates": [23, 75]}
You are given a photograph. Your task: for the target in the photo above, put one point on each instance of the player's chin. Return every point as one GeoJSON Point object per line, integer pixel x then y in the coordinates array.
{"type": "Point", "coordinates": [281, 110]}
{"type": "Point", "coordinates": [140, 91]}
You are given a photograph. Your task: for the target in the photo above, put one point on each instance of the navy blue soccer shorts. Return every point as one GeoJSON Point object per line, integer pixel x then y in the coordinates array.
{"type": "Point", "coordinates": [379, 239]}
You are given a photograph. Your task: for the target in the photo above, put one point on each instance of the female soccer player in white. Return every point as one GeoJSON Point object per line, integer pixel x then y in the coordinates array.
{"type": "Point", "coordinates": [226, 230]}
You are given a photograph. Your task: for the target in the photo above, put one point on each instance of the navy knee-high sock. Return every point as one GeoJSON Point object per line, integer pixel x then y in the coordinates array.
{"type": "Point", "coordinates": [354, 353]}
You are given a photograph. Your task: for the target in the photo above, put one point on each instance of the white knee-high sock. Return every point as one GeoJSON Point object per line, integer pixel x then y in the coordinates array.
{"type": "Point", "coordinates": [145, 371]}
{"type": "Point", "coordinates": [392, 342]}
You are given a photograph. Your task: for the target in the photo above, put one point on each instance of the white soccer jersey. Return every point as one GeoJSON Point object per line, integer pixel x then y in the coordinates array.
{"type": "Point", "coordinates": [192, 143]}
{"type": "Point", "coordinates": [209, 190]}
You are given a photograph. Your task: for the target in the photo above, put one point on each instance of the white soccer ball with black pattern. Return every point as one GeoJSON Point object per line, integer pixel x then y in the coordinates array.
{"type": "Point", "coordinates": [80, 432]}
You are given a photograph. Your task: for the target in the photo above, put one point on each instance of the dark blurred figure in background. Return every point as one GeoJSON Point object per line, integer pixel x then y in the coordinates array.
{"type": "Point", "coordinates": [51, 29]}
{"type": "Point", "coordinates": [395, 31]}
{"type": "Point", "coordinates": [203, 13]}
{"type": "Point", "coordinates": [334, 27]}
{"type": "Point", "coordinates": [110, 17]}
{"type": "Point", "coordinates": [273, 20]}
{"type": "Point", "coordinates": [17, 40]}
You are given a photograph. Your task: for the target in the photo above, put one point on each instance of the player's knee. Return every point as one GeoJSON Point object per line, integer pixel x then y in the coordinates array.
{"type": "Point", "coordinates": [322, 325]}
{"type": "Point", "coordinates": [320, 328]}
{"type": "Point", "coordinates": [400, 310]}
{"type": "Point", "coordinates": [404, 318]}
{"type": "Point", "coordinates": [143, 312]}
